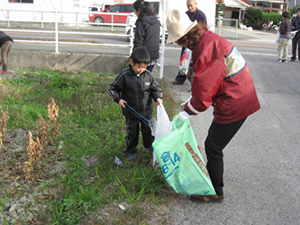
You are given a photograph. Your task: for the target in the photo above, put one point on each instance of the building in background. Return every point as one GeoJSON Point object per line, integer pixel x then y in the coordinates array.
{"type": "Point", "coordinates": [269, 6]}
{"type": "Point", "coordinates": [293, 3]}
{"type": "Point", "coordinates": [36, 7]}
{"type": "Point", "coordinates": [234, 9]}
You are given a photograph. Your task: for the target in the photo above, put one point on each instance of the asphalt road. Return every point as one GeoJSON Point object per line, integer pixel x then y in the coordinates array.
{"type": "Point", "coordinates": [262, 184]}
{"type": "Point", "coordinates": [262, 169]}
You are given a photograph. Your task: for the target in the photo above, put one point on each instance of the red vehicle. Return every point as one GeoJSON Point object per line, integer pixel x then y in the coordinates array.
{"type": "Point", "coordinates": [103, 17]}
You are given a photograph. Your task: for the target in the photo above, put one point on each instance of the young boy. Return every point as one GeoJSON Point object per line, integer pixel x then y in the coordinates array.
{"type": "Point", "coordinates": [136, 87]}
{"type": "Point", "coordinates": [285, 30]}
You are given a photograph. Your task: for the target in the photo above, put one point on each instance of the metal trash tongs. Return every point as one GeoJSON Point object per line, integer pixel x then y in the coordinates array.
{"type": "Point", "coordinates": [151, 124]}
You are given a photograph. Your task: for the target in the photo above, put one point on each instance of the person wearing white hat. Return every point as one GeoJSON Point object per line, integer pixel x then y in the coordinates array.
{"type": "Point", "coordinates": [222, 79]}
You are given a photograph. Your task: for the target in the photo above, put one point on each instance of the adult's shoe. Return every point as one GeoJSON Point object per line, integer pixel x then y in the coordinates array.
{"type": "Point", "coordinates": [207, 198]}
{"type": "Point", "coordinates": [177, 83]}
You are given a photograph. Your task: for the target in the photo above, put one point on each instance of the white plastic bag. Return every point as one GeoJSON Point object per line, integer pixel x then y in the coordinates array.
{"type": "Point", "coordinates": [293, 33]}
{"type": "Point", "coordinates": [277, 37]}
{"type": "Point", "coordinates": [185, 61]}
{"type": "Point", "coordinates": [163, 127]}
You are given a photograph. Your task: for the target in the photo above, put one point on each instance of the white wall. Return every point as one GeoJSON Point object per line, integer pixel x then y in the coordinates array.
{"type": "Point", "coordinates": [47, 5]}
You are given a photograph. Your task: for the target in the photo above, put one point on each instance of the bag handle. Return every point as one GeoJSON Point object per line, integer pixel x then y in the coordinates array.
{"type": "Point", "coordinates": [177, 123]}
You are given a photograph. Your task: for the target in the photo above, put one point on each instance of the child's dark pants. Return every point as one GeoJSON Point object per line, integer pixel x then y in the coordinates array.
{"type": "Point", "coordinates": [219, 135]}
{"type": "Point", "coordinates": [132, 138]}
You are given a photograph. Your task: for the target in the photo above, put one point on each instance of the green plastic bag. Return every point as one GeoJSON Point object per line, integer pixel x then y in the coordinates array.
{"type": "Point", "coordinates": [181, 162]}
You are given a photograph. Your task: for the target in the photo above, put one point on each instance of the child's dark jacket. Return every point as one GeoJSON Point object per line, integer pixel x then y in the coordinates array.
{"type": "Point", "coordinates": [138, 91]}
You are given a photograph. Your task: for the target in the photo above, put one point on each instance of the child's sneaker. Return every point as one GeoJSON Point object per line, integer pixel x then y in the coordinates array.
{"type": "Point", "coordinates": [284, 61]}
{"type": "Point", "coordinates": [278, 60]}
{"type": "Point", "coordinates": [131, 156]}
{"type": "Point", "coordinates": [3, 71]}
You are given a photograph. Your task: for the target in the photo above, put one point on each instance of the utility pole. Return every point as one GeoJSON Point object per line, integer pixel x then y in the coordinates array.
{"type": "Point", "coordinates": [285, 5]}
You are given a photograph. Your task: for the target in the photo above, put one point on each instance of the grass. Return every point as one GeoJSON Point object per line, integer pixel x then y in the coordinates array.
{"type": "Point", "coordinates": [90, 186]}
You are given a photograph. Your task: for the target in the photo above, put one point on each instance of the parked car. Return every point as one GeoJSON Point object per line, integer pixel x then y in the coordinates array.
{"type": "Point", "coordinates": [103, 17]}
{"type": "Point", "coordinates": [98, 7]}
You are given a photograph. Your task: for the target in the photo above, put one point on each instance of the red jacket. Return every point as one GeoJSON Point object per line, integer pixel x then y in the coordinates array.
{"type": "Point", "coordinates": [222, 79]}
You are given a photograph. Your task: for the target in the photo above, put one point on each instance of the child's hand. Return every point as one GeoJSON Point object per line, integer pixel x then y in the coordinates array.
{"type": "Point", "coordinates": [122, 103]}
{"type": "Point", "coordinates": [159, 101]}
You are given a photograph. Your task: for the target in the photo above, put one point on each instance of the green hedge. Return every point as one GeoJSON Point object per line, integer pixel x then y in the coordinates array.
{"type": "Point", "coordinates": [275, 17]}
{"type": "Point", "coordinates": [253, 18]}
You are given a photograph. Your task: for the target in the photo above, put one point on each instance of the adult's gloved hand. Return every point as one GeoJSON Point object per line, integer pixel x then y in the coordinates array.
{"type": "Point", "coordinates": [183, 115]}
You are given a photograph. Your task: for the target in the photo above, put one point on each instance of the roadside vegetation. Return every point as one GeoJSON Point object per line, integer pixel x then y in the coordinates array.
{"type": "Point", "coordinates": [255, 17]}
{"type": "Point", "coordinates": [59, 134]}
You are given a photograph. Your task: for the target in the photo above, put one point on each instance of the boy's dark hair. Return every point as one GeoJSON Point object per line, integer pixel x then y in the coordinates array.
{"type": "Point", "coordinates": [285, 14]}
{"type": "Point", "coordinates": [145, 7]}
{"type": "Point", "coordinates": [298, 9]}
{"type": "Point", "coordinates": [140, 55]}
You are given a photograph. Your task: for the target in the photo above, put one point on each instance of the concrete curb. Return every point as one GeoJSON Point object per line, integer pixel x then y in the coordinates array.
{"type": "Point", "coordinates": [99, 63]}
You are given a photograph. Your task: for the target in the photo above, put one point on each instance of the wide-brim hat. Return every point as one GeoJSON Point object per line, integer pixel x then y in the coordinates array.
{"type": "Point", "coordinates": [178, 25]}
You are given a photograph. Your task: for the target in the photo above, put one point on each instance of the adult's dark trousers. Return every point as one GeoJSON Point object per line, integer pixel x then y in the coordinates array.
{"type": "Point", "coordinates": [219, 135]}
{"type": "Point", "coordinates": [133, 129]}
{"type": "Point", "coordinates": [5, 52]}
{"type": "Point", "coordinates": [150, 68]}
{"type": "Point", "coordinates": [295, 42]}
{"type": "Point", "coordinates": [180, 78]}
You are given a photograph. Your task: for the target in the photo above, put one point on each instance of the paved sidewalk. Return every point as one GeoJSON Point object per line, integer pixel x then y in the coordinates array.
{"type": "Point", "coordinates": [242, 204]}
{"type": "Point", "coordinates": [257, 36]}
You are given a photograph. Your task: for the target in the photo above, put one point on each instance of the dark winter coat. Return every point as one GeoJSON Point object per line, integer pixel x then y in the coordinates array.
{"type": "Point", "coordinates": [147, 34]}
{"type": "Point", "coordinates": [296, 23]}
{"type": "Point", "coordinates": [296, 26]}
{"type": "Point", "coordinates": [285, 29]}
{"type": "Point", "coordinates": [197, 15]}
{"type": "Point", "coordinates": [138, 91]}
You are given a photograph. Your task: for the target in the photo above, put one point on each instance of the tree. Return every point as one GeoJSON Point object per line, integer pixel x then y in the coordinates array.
{"type": "Point", "coordinates": [220, 8]}
{"type": "Point", "coordinates": [253, 18]}
{"type": "Point", "coordinates": [294, 10]}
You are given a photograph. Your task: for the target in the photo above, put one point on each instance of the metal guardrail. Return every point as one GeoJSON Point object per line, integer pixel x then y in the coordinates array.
{"type": "Point", "coordinates": [57, 31]}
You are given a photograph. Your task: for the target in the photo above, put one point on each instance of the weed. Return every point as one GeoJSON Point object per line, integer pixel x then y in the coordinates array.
{"type": "Point", "coordinates": [3, 121]}
{"type": "Point", "coordinates": [92, 130]}
{"type": "Point", "coordinates": [136, 192]}
{"type": "Point", "coordinates": [43, 130]}
{"type": "Point", "coordinates": [3, 202]}
{"type": "Point", "coordinates": [34, 152]}
{"type": "Point", "coordinates": [53, 114]}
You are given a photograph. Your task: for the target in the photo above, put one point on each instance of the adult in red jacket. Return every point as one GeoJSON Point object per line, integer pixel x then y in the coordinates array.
{"type": "Point", "coordinates": [222, 79]}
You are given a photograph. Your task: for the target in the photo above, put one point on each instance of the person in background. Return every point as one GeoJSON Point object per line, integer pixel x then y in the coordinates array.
{"type": "Point", "coordinates": [296, 39]}
{"type": "Point", "coordinates": [147, 30]}
{"type": "Point", "coordinates": [194, 14]}
{"type": "Point", "coordinates": [6, 43]}
{"type": "Point", "coordinates": [285, 30]}
{"type": "Point", "coordinates": [136, 87]}
{"type": "Point", "coordinates": [222, 80]}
